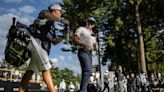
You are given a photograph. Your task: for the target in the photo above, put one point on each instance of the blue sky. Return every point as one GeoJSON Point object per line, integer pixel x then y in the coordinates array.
{"type": "Point", "coordinates": [26, 11]}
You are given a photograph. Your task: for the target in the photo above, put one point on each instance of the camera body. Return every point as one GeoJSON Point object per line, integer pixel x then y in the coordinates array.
{"type": "Point", "coordinates": [60, 29]}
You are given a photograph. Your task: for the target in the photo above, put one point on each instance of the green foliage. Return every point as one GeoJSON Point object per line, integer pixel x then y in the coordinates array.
{"type": "Point", "coordinates": [122, 39]}
{"type": "Point", "coordinates": [65, 74]}
{"type": "Point", "coordinates": [77, 11]}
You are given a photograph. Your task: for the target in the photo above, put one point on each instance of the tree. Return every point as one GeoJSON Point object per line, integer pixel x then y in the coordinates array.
{"type": "Point", "coordinates": [67, 74]}
{"type": "Point", "coordinates": [77, 11]}
{"type": "Point", "coordinates": [121, 36]}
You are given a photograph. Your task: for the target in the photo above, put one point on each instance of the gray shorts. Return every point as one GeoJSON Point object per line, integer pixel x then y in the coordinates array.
{"type": "Point", "coordinates": [39, 57]}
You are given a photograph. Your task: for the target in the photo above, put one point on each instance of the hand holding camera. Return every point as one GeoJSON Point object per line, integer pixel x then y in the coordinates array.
{"type": "Point", "coordinates": [65, 21]}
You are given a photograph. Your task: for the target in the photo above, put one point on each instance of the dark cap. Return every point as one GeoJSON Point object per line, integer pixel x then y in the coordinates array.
{"type": "Point", "coordinates": [92, 19]}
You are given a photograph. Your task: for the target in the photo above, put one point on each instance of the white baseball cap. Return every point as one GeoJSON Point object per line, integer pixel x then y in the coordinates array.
{"type": "Point", "coordinates": [56, 6]}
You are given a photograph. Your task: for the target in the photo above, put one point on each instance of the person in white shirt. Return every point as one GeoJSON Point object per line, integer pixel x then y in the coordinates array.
{"type": "Point", "coordinates": [43, 86]}
{"type": "Point", "coordinates": [125, 84]}
{"type": "Point", "coordinates": [92, 83]}
{"type": "Point", "coordinates": [71, 87]}
{"type": "Point", "coordinates": [87, 43]}
{"type": "Point", "coordinates": [62, 86]}
{"type": "Point", "coordinates": [16, 75]}
{"type": "Point", "coordinates": [77, 86]}
{"type": "Point", "coordinates": [106, 80]}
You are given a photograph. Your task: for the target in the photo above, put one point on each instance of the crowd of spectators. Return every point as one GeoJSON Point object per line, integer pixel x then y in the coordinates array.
{"type": "Point", "coordinates": [140, 82]}
{"type": "Point", "coordinates": [132, 82]}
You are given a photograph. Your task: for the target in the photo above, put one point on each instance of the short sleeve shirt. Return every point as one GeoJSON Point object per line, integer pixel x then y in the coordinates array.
{"type": "Point", "coordinates": [85, 36]}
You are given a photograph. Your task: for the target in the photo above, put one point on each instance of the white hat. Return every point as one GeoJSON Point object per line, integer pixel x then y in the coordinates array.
{"type": "Point", "coordinates": [56, 6]}
{"type": "Point", "coordinates": [93, 74]}
{"type": "Point", "coordinates": [106, 71]}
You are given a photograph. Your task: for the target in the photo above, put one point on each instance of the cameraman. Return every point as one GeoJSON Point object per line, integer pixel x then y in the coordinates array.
{"type": "Point", "coordinates": [41, 44]}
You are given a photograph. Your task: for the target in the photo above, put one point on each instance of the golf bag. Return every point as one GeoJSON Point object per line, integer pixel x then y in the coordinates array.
{"type": "Point", "coordinates": [18, 39]}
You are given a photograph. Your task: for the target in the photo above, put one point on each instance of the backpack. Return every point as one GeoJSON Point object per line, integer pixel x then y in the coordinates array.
{"type": "Point", "coordinates": [16, 51]}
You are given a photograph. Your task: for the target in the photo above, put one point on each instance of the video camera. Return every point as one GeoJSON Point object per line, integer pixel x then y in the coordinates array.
{"type": "Point", "coordinates": [62, 29]}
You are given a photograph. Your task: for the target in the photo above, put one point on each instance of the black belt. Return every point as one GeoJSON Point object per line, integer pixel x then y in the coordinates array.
{"type": "Point", "coordinates": [84, 50]}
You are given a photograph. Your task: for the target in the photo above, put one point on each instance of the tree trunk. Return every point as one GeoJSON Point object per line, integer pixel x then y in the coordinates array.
{"type": "Point", "coordinates": [140, 36]}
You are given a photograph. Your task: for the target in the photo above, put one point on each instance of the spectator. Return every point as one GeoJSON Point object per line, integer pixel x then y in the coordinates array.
{"type": "Point", "coordinates": [138, 83]}
{"type": "Point", "coordinates": [125, 84]}
{"type": "Point", "coordinates": [116, 85]}
{"type": "Point", "coordinates": [62, 86]}
{"type": "Point", "coordinates": [120, 77]}
{"type": "Point", "coordinates": [159, 76]}
{"type": "Point", "coordinates": [106, 81]}
{"type": "Point", "coordinates": [5, 74]}
{"type": "Point", "coordinates": [16, 75]}
{"type": "Point", "coordinates": [43, 86]}
{"type": "Point", "coordinates": [38, 77]}
{"type": "Point", "coordinates": [71, 87]}
{"type": "Point", "coordinates": [98, 80]}
{"type": "Point", "coordinates": [92, 79]}
{"type": "Point", "coordinates": [143, 82]}
{"type": "Point", "coordinates": [92, 83]}
{"type": "Point", "coordinates": [132, 83]}
{"type": "Point", "coordinates": [77, 86]}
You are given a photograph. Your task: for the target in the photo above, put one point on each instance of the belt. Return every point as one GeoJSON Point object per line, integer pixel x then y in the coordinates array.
{"type": "Point", "coordinates": [84, 50]}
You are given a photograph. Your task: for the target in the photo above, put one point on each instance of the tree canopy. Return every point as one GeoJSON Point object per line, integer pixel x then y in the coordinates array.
{"type": "Point", "coordinates": [121, 34]}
